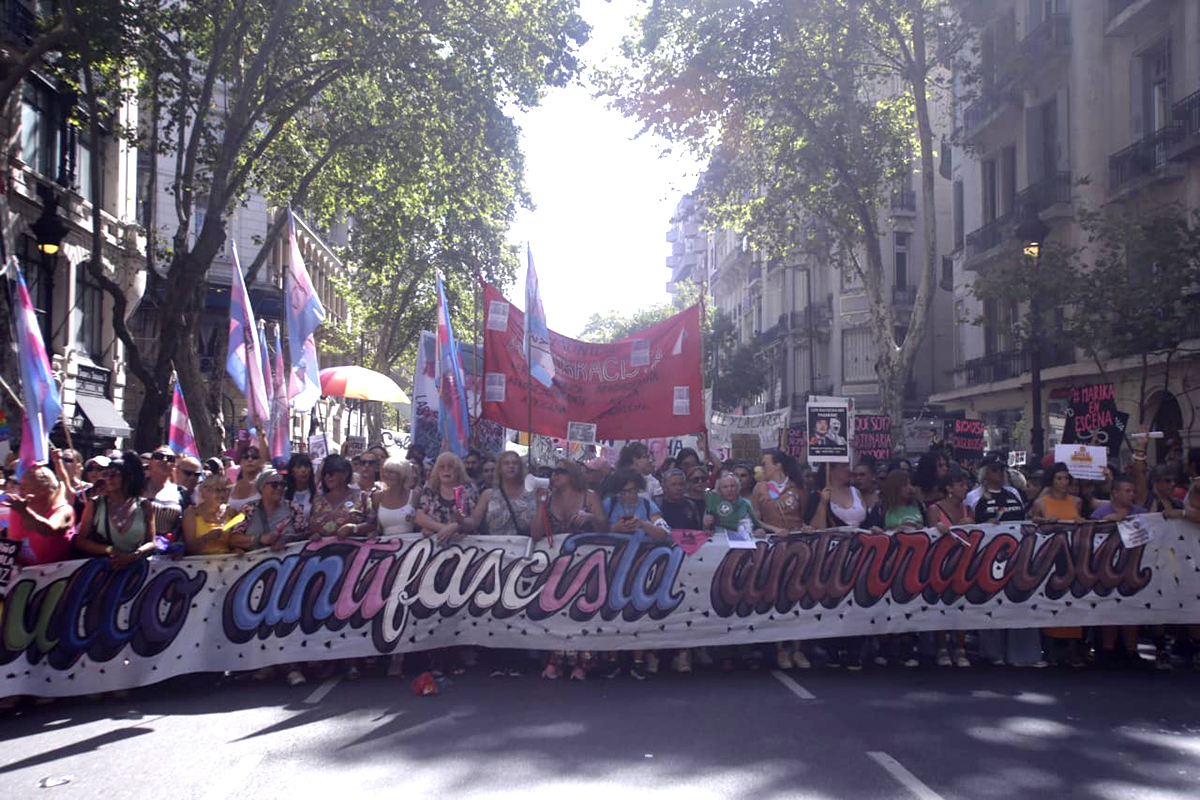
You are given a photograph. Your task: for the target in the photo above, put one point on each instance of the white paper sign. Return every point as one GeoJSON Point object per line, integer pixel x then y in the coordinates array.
{"type": "Point", "coordinates": [581, 432]}
{"type": "Point", "coordinates": [495, 385]}
{"type": "Point", "coordinates": [739, 539]}
{"type": "Point", "coordinates": [1018, 458]}
{"type": "Point", "coordinates": [497, 318]}
{"type": "Point", "coordinates": [1134, 532]}
{"type": "Point", "coordinates": [318, 447]}
{"type": "Point", "coordinates": [683, 401]}
{"type": "Point", "coordinates": [1085, 462]}
{"type": "Point", "coordinates": [641, 353]}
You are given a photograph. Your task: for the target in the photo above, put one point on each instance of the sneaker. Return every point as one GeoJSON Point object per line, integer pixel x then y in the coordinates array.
{"type": "Point", "coordinates": [1039, 664]}
{"type": "Point", "coordinates": [960, 659]}
{"type": "Point", "coordinates": [943, 658]}
{"type": "Point", "coordinates": [682, 663]}
{"type": "Point", "coordinates": [296, 678]}
{"type": "Point", "coordinates": [911, 662]}
{"type": "Point", "coordinates": [784, 659]}
{"type": "Point", "coordinates": [498, 672]}
{"type": "Point", "coordinates": [610, 669]}
{"type": "Point", "coordinates": [880, 661]}
{"type": "Point", "coordinates": [651, 663]}
{"type": "Point", "coordinates": [395, 668]}
{"type": "Point", "coordinates": [800, 660]}
{"type": "Point", "coordinates": [264, 674]}
{"type": "Point", "coordinates": [704, 657]}
{"type": "Point", "coordinates": [854, 664]}
{"type": "Point", "coordinates": [513, 672]}
{"type": "Point", "coordinates": [1162, 660]}
{"type": "Point", "coordinates": [550, 673]}
{"type": "Point", "coordinates": [578, 674]}
{"type": "Point", "coordinates": [352, 674]}
{"type": "Point", "coordinates": [638, 670]}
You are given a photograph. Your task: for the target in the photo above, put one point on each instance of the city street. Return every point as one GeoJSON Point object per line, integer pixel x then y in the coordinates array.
{"type": "Point", "coordinates": [928, 733]}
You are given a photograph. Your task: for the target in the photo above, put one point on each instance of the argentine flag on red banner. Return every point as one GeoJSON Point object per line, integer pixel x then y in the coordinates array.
{"type": "Point", "coordinates": [304, 315]}
{"type": "Point", "coordinates": [179, 432]}
{"type": "Point", "coordinates": [243, 360]}
{"type": "Point", "coordinates": [42, 405]}
{"type": "Point", "coordinates": [537, 333]}
{"type": "Point", "coordinates": [453, 423]}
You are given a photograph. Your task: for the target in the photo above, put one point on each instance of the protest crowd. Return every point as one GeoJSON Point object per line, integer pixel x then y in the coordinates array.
{"type": "Point", "coordinates": [122, 506]}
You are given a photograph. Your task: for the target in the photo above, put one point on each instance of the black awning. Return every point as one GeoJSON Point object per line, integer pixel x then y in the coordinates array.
{"type": "Point", "coordinates": [104, 416]}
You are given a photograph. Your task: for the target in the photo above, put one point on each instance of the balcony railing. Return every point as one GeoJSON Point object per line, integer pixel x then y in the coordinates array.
{"type": "Point", "coordinates": [904, 200]}
{"type": "Point", "coordinates": [990, 235]}
{"type": "Point", "coordinates": [990, 101]}
{"type": "Point", "coordinates": [904, 295]}
{"type": "Point", "coordinates": [1055, 188]}
{"type": "Point", "coordinates": [1144, 157]}
{"type": "Point", "coordinates": [1051, 37]}
{"type": "Point", "coordinates": [1014, 363]}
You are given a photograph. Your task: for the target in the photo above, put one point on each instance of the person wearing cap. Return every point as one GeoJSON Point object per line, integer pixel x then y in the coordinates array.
{"type": "Point", "coordinates": [993, 500]}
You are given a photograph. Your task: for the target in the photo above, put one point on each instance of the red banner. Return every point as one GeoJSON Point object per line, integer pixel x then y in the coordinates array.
{"type": "Point", "coordinates": [645, 386]}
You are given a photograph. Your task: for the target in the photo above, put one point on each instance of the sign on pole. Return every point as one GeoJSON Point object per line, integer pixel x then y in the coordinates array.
{"type": "Point", "coordinates": [828, 426]}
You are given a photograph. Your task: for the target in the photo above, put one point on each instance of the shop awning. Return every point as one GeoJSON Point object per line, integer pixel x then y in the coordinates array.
{"type": "Point", "coordinates": [104, 416]}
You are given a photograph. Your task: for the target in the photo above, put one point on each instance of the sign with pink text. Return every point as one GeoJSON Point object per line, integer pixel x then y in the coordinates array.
{"type": "Point", "coordinates": [78, 627]}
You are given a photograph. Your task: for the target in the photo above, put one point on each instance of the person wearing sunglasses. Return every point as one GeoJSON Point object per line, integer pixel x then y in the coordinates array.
{"type": "Point", "coordinates": [162, 491]}
{"type": "Point", "coordinates": [188, 473]}
{"type": "Point", "coordinates": [366, 469]}
{"type": "Point", "coordinates": [213, 527]}
{"type": "Point", "coordinates": [120, 524]}
{"type": "Point", "coordinates": [270, 521]}
{"type": "Point", "coordinates": [250, 464]}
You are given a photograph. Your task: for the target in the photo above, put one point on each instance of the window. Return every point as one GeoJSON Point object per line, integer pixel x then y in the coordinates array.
{"type": "Point", "coordinates": [39, 128]}
{"type": "Point", "coordinates": [900, 262]}
{"type": "Point", "coordinates": [990, 194]}
{"type": "Point", "coordinates": [88, 314]}
{"type": "Point", "coordinates": [39, 280]}
{"type": "Point", "coordinates": [959, 222]}
{"type": "Point", "coordinates": [858, 356]}
{"type": "Point", "coordinates": [93, 194]}
{"type": "Point", "coordinates": [947, 282]}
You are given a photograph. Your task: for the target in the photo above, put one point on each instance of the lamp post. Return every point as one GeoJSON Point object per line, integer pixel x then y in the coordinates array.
{"type": "Point", "coordinates": [48, 229]}
{"type": "Point", "coordinates": [1032, 233]}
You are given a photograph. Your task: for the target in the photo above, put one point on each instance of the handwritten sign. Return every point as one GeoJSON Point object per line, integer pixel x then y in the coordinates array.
{"type": "Point", "coordinates": [797, 440]}
{"type": "Point", "coordinates": [1093, 418]}
{"type": "Point", "coordinates": [966, 436]}
{"type": "Point", "coordinates": [873, 436]}
{"type": "Point", "coordinates": [8, 566]}
{"type": "Point", "coordinates": [745, 447]}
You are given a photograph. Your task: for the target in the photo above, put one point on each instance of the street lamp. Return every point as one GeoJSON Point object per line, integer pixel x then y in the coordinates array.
{"type": "Point", "coordinates": [48, 229]}
{"type": "Point", "coordinates": [1032, 233]}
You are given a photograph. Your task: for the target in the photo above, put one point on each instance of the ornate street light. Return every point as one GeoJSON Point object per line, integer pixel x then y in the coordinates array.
{"type": "Point", "coordinates": [1032, 232]}
{"type": "Point", "coordinates": [48, 229]}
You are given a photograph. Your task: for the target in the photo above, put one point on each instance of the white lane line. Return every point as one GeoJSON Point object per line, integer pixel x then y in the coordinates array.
{"type": "Point", "coordinates": [325, 688]}
{"type": "Point", "coordinates": [897, 771]}
{"type": "Point", "coordinates": [233, 778]}
{"type": "Point", "coordinates": [792, 686]}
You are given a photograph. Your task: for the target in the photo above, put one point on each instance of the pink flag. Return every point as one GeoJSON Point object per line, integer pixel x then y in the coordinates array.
{"type": "Point", "coordinates": [279, 430]}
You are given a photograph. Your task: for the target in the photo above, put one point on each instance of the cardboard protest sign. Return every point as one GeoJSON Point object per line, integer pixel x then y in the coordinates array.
{"type": "Point", "coordinates": [873, 436]}
{"type": "Point", "coordinates": [8, 566]}
{"type": "Point", "coordinates": [1084, 462]}
{"type": "Point", "coordinates": [1093, 418]}
{"type": "Point", "coordinates": [967, 439]}
{"type": "Point", "coordinates": [745, 447]}
{"type": "Point", "coordinates": [353, 446]}
{"type": "Point", "coordinates": [641, 387]}
{"type": "Point", "coordinates": [318, 447]}
{"type": "Point", "coordinates": [828, 425]}
{"type": "Point", "coordinates": [797, 440]}
{"type": "Point", "coordinates": [101, 629]}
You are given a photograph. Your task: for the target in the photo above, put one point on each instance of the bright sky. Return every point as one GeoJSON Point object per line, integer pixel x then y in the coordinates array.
{"type": "Point", "coordinates": [604, 199]}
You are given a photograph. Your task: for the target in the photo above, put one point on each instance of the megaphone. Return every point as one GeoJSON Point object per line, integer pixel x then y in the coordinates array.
{"type": "Point", "coordinates": [533, 483]}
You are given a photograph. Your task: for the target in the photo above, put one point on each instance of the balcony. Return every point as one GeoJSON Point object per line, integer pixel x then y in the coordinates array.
{"type": "Point", "coordinates": [20, 24]}
{"type": "Point", "coordinates": [904, 202]}
{"type": "Point", "coordinates": [1144, 161]}
{"type": "Point", "coordinates": [991, 236]}
{"type": "Point", "coordinates": [1125, 15]}
{"type": "Point", "coordinates": [1052, 190]}
{"type": "Point", "coordinates": [990, 104]}
{"type": "Point", "coordinates": [904, 295]}
{"type": "Point", "coordinates": [1009, 364]}
{"type": "Point", "coordinates": [1186, 114]}
{"type": "Point", "coordinates": [1050, 40]}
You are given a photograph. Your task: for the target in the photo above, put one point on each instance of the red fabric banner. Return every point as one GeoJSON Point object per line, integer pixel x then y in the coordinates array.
{"type": "Point", "coordinates": [644, 386]}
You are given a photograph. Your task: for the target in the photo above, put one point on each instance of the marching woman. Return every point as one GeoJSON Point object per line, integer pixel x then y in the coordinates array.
{"type": "Point", "coordinates": [212, 527]}
{"type": "Point", "coordinates": [780, 503]}
{"type": "Point", "coordinates": [840, 504]}
{"type": "Point", "coordinates": [40, 518]}
{"type": "Point", "coordinates": [946, 513]}
{"type": "Point", "coordinates": [569, 507]}
{"type": "Point", "coordinates": [395, 504]}
{"type": "Point", "coordinates": [250, 463]}
{"type": "Point", "coordinates": [301, 489]}
{"type": "Point", "coordinates": [120, 524]}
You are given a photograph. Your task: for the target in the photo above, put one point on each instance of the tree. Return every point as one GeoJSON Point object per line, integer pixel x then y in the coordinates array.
{"type": "Point", "coordinates": [794, 105]}
{"type": "Point", "coordinates": [235, 84]}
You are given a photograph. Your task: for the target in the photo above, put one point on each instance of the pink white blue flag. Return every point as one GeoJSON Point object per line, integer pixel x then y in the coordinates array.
{"type": "Point", "coordinates": [304, 315]}
{"type": "Point", "coordinates": [179, 433]}
{"type": "Point", "coordinates": [43, 408]}
{"type": "Point", "coordinates": [244, 360]}
{"type": "Point", "coordinates": [278, 432]}
{"type": "Point", "coordinates": [453, 421]}
{"type": "Point", "coordinates": [537, 333]}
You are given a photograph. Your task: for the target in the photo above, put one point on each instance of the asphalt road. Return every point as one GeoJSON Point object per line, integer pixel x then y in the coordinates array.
{"type": "Point", "coordinates": [953, 733]}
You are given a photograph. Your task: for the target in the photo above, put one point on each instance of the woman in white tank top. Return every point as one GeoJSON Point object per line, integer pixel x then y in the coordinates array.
{"type": "Point", "coordinates": [841, 505]}
{"type": "Point", "coordinates": [393, 506]}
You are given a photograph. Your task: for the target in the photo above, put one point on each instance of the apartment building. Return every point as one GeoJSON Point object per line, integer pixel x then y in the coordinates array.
{"type": "Point", "coordinates": [50, 198]}
{"type": "Point", "coordinates": [1078, 104]}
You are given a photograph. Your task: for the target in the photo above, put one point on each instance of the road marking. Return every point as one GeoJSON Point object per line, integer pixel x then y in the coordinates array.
{"type": "Point", "coordinates": [325, 688]}
{"type": "Point", "coordinates": [897, 771]}
{"type": "Point", "coordinates": [792, 686]}
{"type": "Point", "coordinates": [233, 778]}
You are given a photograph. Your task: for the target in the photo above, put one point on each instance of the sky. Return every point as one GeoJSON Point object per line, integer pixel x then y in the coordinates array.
{"type": "Point", "coordinates": [603, 199]}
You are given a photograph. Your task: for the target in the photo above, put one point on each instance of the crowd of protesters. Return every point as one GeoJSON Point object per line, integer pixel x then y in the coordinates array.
{"type": "Point", "coordinates": [125, 506]}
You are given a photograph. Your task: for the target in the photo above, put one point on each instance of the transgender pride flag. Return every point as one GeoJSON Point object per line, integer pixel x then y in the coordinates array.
{"type": "Point", "coordinates": [453, 423]}
{"type": "Point", "coordinates": [244, 359]}
{"type": "Point", "coordinates": [179, 433]}
{"type": "Point", "coordinates": [42, 405]}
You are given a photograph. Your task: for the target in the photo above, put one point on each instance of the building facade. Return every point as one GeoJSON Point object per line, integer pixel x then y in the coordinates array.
{"type": "Point", "coordinates": [1078, 105]}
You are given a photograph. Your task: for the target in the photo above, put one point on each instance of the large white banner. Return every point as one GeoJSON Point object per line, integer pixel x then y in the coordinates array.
{"type": "Point", "coordinates": [81, 626]}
